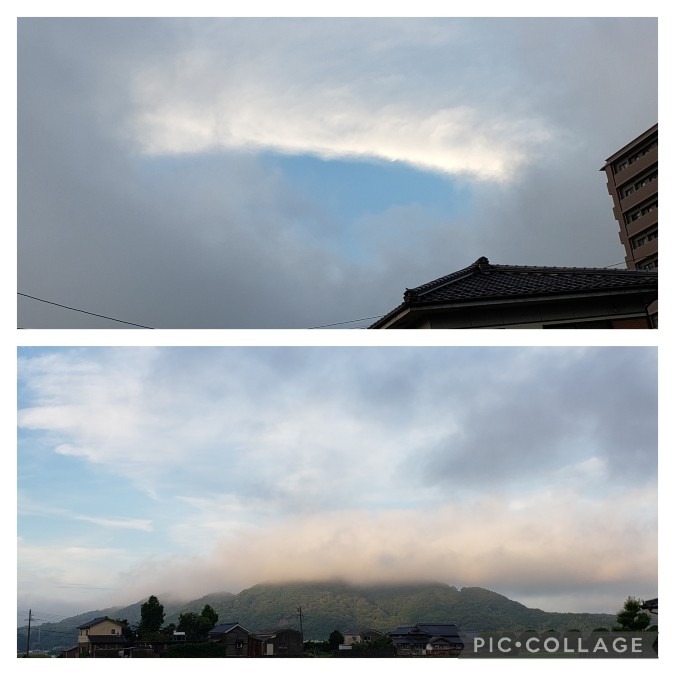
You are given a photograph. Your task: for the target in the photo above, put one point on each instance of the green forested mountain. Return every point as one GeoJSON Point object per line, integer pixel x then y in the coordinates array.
{"type": "Point", "coordinates": [341, 606]}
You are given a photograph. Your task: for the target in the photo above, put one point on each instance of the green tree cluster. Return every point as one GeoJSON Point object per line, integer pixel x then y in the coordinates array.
{"type": "Point", "coordinates": [152, 618]}
{"type": "Point", "coordinates": [335, 639]}
{"type": "Point", "coordinates": [631, 617]}
{"type": "Point", "coordinates": [381, 644]}
{"type": "Point", "coordinates": [197, 626]}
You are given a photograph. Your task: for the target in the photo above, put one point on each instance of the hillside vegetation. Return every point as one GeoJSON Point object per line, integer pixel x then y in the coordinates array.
{"type": "Point", "coordinates": [341, 606]}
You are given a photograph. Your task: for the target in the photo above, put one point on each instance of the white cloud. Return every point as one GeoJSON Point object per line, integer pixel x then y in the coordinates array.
{"type": "Point", "coordinates": [372, 464]}
{"type": "Point", "coordinates": [299, 95]}
{"type": "Point", "coordinates": [445, 141]}
{"type": "Point", "coordinates": [144, 525]}
{"type": "Point", "coordinates": [60, 576]}
{"type": "Point", "coordinates": [28, 506]}
{"type": "Point", "coordinates": [549, 543]}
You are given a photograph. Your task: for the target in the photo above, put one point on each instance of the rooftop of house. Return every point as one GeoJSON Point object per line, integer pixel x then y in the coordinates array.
{"type": "Point", "coordinates": [652, 605]}
{"type": "Point", "coordinates": [97, 620]}
{"type": "Point", "coordinates": [222, 628]}
{"type": "Point", "coordinates": [432, 629]}
{"type": "Point", "coordinates": [482, 282]}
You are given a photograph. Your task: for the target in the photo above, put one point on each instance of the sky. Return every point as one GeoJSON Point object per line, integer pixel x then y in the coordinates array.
{"type": "Point", "coordinates": [301, 173]}
{"type": "Point", "coordinates": [180, 471]}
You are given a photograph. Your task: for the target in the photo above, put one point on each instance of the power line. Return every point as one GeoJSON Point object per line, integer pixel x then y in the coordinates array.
{"type": "Point", "coordinates": [341, 323]}
{"type": "Point", "coordinates": [74, 309]}
{"type": "Point", "coordinates": [138, 325]}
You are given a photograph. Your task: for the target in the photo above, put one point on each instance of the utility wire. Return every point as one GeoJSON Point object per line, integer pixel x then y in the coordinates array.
{"type": "Point", "coordinates": [138, 325]}
{"type": "Point", "coordinates": [74, 309]}
{"type": "Point", "coordinates": [340, 323]}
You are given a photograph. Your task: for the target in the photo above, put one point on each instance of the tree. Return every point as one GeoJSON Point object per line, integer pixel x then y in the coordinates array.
{"type": "Point", "coordinates": [378, 644]}
{"type": "Point", "coordinates": [197, 626]}
{"type": "Point", "coordinates": [631, 617]}
{"type": "Point", "coordinates": [189, 623]}
{"type": "Point", "coordinates": [168, 630]}
{"type": "Point", "coordinates": [152, 617]}
{"type": "Point", "coordinates": [336, 638]}
{"type": "Point", "coordinates": [210, 616]}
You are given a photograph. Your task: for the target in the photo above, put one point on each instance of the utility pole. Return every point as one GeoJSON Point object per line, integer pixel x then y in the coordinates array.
{"type": "Point", "coordinates": [302, 634]}
{"type": "Point", "coordinates": [30, 612]}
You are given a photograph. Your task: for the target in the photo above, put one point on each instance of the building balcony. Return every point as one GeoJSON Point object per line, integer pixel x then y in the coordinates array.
{"type": "Point", "coordinates": [637, 167]}
{"type": "Point", "coordinates": [649, 190]}
{"type": "Point", "coordinates": [643, 223]}
{"type": "Point", "coordinates": [647, 250]}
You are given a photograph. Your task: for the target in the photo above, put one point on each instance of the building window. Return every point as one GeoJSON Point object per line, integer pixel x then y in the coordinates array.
{"type": "Point", "coordinates": [642, 210]}
{"type": "Point", "coordinates": [639, 184]}
{"type": "Point", "coordinates": [649, 235]}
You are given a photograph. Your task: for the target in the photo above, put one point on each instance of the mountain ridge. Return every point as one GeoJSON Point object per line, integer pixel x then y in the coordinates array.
{"type": "Point", "coordinates": [339, 605]}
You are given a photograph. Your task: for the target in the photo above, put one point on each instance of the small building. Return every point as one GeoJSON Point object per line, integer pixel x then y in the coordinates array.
{"type": "Point", "coordinates": [427, 639]}
{"type": "Point", "coordinates": [101, 638]}
{"type": "Point", "coordinates": [280, 642]}
{"type": "Point", "coordinates": [652, 606]}
{"type": "Point", "coordinates": [358, 636]}
{"type": "Point", "coordinates": [484, 295]}
{"type": "Point", "coordinates": [237, 640]}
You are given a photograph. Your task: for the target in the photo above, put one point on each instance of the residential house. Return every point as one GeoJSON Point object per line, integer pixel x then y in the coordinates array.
{"type": "Point", "coordinates": [356, 636]}
{"type": "Point", "coordinates": [100, 637]}
{"type": "Point", "coordinates": [427, 639]}
{"type": "Point", "coordinates": [484, 295]}
{"type": "Point", "coordinates": [280, 642]}
{"type": "Point", "coordinates": [238, 641]}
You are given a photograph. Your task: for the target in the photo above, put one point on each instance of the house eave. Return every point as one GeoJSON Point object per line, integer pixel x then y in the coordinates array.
{"type": "Point", "coordinates": [412, 310]}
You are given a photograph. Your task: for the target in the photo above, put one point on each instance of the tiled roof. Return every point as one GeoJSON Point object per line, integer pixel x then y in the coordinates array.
{"type": "Point", "coordinates": [483, 281]}
{"type": "Point", "coordinates": [427, 629]}
{"type": "Point", "coordinates": [425, 633]}
{"type": "Point", "coordinates": [225, 628]}
{"type": "Point", "coordinates": [272, 632]}
{"type": "Point", "coordinates": [98, 619]}
{"type": "Point", "coordinates": [651, 605]}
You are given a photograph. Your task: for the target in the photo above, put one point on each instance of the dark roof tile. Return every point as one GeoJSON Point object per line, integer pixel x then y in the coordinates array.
{"type": "Point", "coordinates": [484, 281]}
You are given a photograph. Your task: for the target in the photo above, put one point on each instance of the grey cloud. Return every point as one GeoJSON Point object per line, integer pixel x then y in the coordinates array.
{"type": "Point", "coordinates": [554, 414]}
{"type": "Point", "coordinates": [220, 241]}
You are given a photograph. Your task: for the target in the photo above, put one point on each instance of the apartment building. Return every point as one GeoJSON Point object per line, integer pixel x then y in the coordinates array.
{"type": "Point", "coordinates": [633, 183]}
